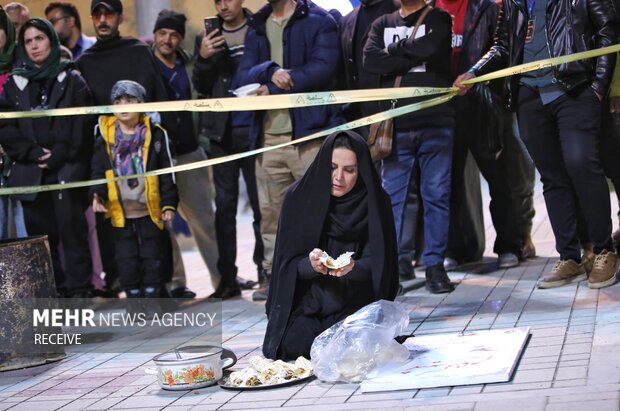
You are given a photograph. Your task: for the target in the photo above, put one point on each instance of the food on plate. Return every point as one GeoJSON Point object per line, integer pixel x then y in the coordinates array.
{"type": "Point", "coordinates": [269, 372]}
{"type": "Point", "coordinates": [335, 263]}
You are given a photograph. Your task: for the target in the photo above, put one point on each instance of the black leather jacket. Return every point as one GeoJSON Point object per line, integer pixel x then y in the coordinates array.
{"type": "Point", "coordinates": [479, 28]}
{"type": "Point", "coordinates": [572, 26]}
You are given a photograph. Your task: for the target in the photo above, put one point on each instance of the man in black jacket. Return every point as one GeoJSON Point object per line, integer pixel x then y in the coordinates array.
{"type": "Point", "coordinates": [559, 113]}
{"type": "Point", "coordinates": [508, 173]}
{"type": "Point", "coordinates": [217, 57]}
{"type": "Point", "coordinates": [114, 58]}
{"type": "Point", "coordinates": [424, 137]}
{"type": "Point", "coordinates": [354, 29]}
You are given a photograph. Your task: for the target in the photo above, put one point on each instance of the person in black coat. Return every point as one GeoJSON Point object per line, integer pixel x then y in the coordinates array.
{"type": "Point", "coordinates": [112, 58]}
{"type": "Point", "coordinates": [509, 172]}
{"type": "Point", "coordinates": [50, 150]}
{"type": "Point", "coordinates": [338, 206]}
{"type": "Point", "coordinates": [559, 115]}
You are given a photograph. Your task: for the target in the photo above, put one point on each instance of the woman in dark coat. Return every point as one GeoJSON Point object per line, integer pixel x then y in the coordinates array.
{"type": "Point", "coordinates": [337, 207]}
{"type": "Point", "coordinates": [50, 150]}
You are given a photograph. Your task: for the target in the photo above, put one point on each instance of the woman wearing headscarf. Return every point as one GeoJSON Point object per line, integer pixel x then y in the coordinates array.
{"type": "Point", "coordinates": [338, 206]}
{"type": "Point", "coordinates": [50, 150]}
{"type": "Point", "coordinates": [7, 58]}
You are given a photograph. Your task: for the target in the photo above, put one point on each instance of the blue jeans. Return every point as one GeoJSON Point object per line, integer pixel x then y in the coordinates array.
{"type": "Point", "coordinates": [431, 148]}
{"type": "Point", "coordinates": [17, 214]}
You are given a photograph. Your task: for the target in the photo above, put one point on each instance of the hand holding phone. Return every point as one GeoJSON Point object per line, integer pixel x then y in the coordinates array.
{"type": "Point", "coordinates": [212, 42]}
{"type": "Point", "coordinates": [212, 24]}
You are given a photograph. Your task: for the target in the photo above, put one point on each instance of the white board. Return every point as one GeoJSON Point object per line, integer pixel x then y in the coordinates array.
{"type": "Point", "coordinates": [446, 360]}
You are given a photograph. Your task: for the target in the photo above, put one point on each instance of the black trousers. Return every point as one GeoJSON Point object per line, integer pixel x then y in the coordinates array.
{"type": "Point", "coordinates": [503, 206]}
{"type": "Point", "coordinates": [562, 138]}
{"type": "Point", "coordinates": [226, 180]}
{"type": "Point", "coordinates": [139, 249]}
{"type": "Point", "coordinates": [60, 216]}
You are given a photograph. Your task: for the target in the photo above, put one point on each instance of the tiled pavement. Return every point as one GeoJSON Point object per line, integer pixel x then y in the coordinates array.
{"type": "Point", "coordinates": [572, 361]}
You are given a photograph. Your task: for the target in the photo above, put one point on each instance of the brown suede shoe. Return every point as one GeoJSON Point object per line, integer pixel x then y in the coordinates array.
{"type": "Point", "coordinates": [587, 259]}
{"type": "Point", "coordinates": [603, 272]}
{"type": "Point", "coordinates": [563, 272]}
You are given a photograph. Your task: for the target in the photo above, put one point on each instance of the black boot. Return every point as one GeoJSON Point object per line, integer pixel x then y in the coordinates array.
{"type": "Point", "coordinates": [225, 291]}
{"type": "Point", "coordinates": [437, 281]}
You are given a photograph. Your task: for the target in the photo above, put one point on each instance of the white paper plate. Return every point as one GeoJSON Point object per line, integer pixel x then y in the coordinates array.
{"type": "Point", "coordinates": [247, 90]}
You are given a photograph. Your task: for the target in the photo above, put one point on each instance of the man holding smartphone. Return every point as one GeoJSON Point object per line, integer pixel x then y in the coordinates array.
{"type": "Point", "coordinates": [218, 52]}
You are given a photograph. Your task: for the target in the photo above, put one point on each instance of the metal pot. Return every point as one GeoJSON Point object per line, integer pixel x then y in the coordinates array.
{"type": "Point", "coordinates": [191, 367]}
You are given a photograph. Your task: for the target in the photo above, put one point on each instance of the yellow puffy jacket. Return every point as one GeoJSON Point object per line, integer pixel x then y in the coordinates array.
{"type": "Point", "coordinates": [161, 192]}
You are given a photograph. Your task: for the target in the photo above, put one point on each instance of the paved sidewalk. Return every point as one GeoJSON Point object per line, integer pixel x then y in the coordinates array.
{"type": "Point", "coordinates": [572, 361]}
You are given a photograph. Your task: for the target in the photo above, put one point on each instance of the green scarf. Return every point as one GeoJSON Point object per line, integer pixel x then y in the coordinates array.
{"type": "Point", "coordinates": [6, 55]}
{"type": "Point", "coordinates": [53, 65]}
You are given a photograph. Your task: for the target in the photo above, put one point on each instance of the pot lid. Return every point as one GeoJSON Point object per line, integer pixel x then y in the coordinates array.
{"type": "Point", "coordinates": [189, 352]}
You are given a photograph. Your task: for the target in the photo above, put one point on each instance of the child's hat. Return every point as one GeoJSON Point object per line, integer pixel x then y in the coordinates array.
{"type": "Point", "coordinates": [128, 88]}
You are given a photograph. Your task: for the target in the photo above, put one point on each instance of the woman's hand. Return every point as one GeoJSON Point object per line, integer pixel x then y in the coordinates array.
{"type": "Point", "coordinates": [315, 261]}
{"type": "Point", "coordinates": [341, 272]}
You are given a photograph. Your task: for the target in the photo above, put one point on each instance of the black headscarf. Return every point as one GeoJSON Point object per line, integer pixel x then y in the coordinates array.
{"type": "Point", "coordinates": [53, 65]}
{"type": "Point", "coordinates": [309, 210]}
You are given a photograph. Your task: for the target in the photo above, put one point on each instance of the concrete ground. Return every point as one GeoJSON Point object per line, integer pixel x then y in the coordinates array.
{"type": "Point", "coordinates": [570, 363]}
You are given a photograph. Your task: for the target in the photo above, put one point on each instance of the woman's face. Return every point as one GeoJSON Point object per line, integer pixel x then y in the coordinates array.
{"type": "Point", "coordinates": [344, 171]}
{"type": "Point", "coordinates": [38, 46]}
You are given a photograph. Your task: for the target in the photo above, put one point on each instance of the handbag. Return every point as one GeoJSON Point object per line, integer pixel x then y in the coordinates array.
{"type": "Point", "coordinates": [490, 121]}
{"type": "Point", "coordinates": [381, 133]}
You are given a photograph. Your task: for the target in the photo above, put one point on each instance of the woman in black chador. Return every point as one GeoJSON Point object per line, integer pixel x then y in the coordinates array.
{"type": "Point", "coordinates": [338, 206]}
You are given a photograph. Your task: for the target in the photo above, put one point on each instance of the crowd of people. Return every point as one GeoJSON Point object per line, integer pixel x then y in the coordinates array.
{"type": "Point", "coordinates": [558, 120]}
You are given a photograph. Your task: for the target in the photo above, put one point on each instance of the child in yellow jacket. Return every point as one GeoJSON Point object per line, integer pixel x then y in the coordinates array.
{"type": "Point", "coordinates": [129, 144]}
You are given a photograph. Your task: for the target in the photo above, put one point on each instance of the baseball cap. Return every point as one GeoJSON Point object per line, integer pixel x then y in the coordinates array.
{"type": "Point", "coordinates": [112, 5]}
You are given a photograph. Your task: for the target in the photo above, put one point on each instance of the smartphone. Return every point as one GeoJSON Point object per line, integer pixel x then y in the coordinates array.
{"type": "Point", "coordinates": [212, 23]}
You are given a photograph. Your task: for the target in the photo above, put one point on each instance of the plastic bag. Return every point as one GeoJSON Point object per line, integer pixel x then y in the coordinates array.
{"type": "Point", "coordinates": [362, 345]}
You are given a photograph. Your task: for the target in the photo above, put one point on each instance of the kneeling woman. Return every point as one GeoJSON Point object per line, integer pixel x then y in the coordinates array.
{"type": "Point", "coordinates": [338, 206]}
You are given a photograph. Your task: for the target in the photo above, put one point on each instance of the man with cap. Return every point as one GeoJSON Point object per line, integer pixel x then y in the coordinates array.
{"type": "Point", "coordinates": [111, 58]}
{"type": "Point", "coordinates": [195, 204]}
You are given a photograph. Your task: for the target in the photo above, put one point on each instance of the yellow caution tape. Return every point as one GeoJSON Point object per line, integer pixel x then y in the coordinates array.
{"type": "Point", "coordinates": [205, 163]}
{"type": "Point", "coordinates": [286, 101]}
{"type": "Point", "coordinates": [541, 64]}
{"type": "Point", "coordinates": [280, 101]}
